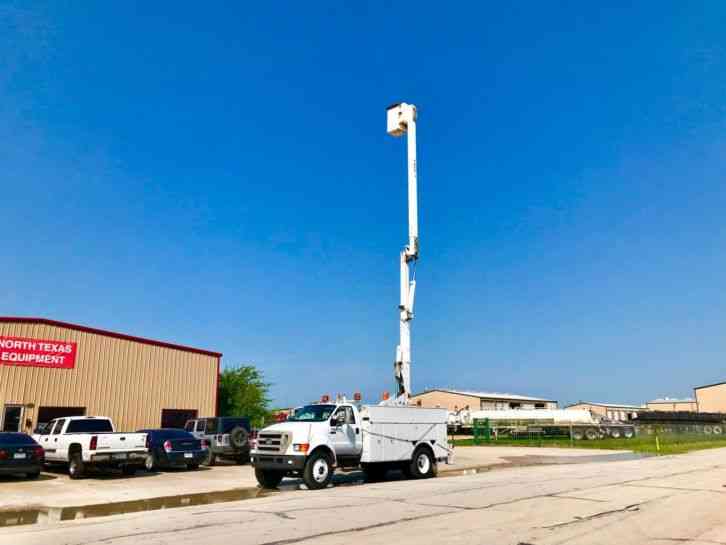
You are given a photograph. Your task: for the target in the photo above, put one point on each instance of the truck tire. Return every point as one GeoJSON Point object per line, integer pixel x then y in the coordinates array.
{"type": "Point", "coordinates": [615, 433]}
{"type": "Point", "coordinates": [423, 465]}
{"type": "Point", "coordinates": [268, 478]}
{"type": "Point", "coordinates": [577, 435]}
{"type": "Point", "coordinates": [591, 434]}
{"type": "Point", "coordinates": [628, 433]}
{"type": "Point", "coordinates": [76, 468]}
{"type": "Point", "coordinates": [210, 459]}
{"type": "Point", "coordinates": [238, 437]}
{"type": "Point", "coordinates": [318, 471]}
{"type": "Point", "coordinates": [374, 472]}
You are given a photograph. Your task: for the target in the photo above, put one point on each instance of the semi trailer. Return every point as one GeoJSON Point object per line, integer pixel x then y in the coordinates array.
{"type": "Point", "coordinates": [577, 423]}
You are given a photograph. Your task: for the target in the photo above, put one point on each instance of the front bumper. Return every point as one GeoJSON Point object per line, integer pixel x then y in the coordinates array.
{"type": "Point", "coordinates": [279, 462]}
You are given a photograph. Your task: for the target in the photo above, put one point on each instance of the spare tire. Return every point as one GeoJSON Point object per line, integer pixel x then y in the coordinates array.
{"type": "Point", "coordinates": [238, 437]}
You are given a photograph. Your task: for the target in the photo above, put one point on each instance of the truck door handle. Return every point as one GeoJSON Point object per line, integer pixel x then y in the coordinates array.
{"type": "Point", "coordinates": [357, 431]}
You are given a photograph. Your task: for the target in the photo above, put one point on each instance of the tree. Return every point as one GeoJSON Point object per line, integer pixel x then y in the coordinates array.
{"type": "Point", "coordinates": [243, 392]}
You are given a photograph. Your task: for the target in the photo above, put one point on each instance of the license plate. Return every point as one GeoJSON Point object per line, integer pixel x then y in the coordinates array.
{"type": "Point", "coordinates": [20, 456]}
{"type": "Point", "coordinates": [119, 457]}
{"type": "Point", "coordinates": [188, 455]}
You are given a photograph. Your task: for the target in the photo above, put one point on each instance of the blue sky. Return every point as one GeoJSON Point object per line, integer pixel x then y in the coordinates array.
{"type": "Point", "coordinates": [219, 175]}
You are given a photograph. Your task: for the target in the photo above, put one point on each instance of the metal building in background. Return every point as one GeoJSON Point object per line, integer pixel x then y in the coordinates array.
{"type": "Point", "coordinates": [711, 398]}
{"type": "Point", "coordinates": [476, 401]}
{"type": "Point", "coordinates": [51, 369]}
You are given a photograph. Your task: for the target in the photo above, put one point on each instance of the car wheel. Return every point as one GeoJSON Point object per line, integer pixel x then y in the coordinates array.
{"type": "Point", "coordinates": [150, 463]}
{"type": "Point", "coordinates": [318, 471]}
{"type": "Point", "coordinates": [268, 478]}
{"type": "Point", "coordinates": [422, 465]}
{"type": "Point", "coordinates": [76, 468]}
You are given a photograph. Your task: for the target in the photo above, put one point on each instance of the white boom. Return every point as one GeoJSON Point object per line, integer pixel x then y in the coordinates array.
{"type": "Point", "coordinates": [401, 120]}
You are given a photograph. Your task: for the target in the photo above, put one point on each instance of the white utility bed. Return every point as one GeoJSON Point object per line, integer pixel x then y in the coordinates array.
{"type": "Point", "coordinates": [390, 434]}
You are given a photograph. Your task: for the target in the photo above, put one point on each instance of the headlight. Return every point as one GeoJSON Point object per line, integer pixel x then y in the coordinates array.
{"type": "Point", "coordinates": [300, 447]}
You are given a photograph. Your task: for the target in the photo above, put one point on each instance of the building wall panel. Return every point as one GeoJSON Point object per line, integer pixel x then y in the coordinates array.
{"type": "Point", "coordinates": [711, 399]}
{"type": "Point", "coordinates": [128, 381]}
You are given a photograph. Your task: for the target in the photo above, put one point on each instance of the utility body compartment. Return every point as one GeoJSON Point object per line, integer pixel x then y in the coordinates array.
{"type": "Point", "coordinates": [391, 433]}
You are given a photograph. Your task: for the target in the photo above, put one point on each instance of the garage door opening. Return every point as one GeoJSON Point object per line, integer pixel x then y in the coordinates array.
{"type": "Point", "coordinates": [46, 414]}
{"type": "Point", "coordinates": [176, 418]}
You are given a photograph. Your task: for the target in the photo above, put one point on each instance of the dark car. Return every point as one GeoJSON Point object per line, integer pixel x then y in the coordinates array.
{"type": "Point", "coordinates": [19, 453]}
{"type": "Point", "coordinates": [170, 447]}
{"type": "Point", "coordinates": [224, 436]}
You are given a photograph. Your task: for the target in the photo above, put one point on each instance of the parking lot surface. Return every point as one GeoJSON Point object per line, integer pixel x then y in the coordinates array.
{"type": "Point", "coordinates": [672, 499]}
{"type": "Point", "coordinates": [56, 490]}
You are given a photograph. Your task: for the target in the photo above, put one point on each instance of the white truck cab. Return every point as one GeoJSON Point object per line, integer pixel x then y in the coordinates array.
{"type": "Point", "coordinates": [318, 438]}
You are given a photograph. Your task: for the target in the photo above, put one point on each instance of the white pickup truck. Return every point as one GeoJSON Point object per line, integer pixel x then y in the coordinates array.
{"type": "Point", "coordinates": [320, 437]}
{"type": "Point", "coordinates": [83, 441]}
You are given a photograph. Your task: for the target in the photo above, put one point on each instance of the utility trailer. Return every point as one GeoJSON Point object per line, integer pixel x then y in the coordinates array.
{"type": "Point", "coordinates": [577, 424]}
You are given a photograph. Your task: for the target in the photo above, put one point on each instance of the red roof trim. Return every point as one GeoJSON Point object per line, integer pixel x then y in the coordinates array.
{"type": "Point", "coordinates": [85, 329]}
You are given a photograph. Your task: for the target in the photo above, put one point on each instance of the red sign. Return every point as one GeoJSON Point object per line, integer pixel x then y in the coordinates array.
{"type": "Point", "coordinates": [37, 353]}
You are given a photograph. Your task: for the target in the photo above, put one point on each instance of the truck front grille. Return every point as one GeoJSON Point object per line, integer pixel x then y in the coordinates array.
{"type": "Point", "coordinates": [273, 442]}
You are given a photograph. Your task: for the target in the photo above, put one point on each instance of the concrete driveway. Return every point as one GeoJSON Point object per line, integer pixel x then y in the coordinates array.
{"type": "Point", "coordinates": [57, 490]}
{"type": "Point", "coordinates": [674, 499]}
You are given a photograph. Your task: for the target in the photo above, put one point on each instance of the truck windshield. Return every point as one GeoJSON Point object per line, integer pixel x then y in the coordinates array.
{"type": "Point", "coordinates": [312, 413]}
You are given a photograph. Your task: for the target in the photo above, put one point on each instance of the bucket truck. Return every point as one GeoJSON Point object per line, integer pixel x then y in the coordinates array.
{"type": "Point", "coordinates": [323, 436]}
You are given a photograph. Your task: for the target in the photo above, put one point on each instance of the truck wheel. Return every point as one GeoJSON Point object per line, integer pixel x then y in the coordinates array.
{"type": "Point", "coordinates": [268, 478]}
{"type": "Point", "coordinates": [577, 435]}
{"type": "Point", "coordinates": [628, 433]}
{"type": "Point", "coordinates": [422, 464]}
{"type": "Point", "coordinates": [210, 459]}
{"type": "Point", "coordinates": [76, 468]}
{"type": "Point", "coordinates": [243, 458]}
{"type": "Point", "coordinates": [318, 471]}
{"type": "Point", "coordinates": [615, 433]}
{"type": "Point", "coordinates": [591, 434]}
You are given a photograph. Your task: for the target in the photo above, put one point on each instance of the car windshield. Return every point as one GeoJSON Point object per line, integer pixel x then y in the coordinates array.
{"type": "Point", "coordinates": [312, 413]}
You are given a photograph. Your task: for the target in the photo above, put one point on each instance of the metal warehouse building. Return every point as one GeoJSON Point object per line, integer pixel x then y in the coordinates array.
{"type": "Point", "coordinates": [476, 401]}
{"type": "Point", "coordinates": [711, 398]}
{"type": "Point", "coordinates": [50, 369]}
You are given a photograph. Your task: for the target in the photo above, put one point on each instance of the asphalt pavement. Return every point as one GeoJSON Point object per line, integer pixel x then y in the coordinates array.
{"type": "Point", "coordinates": [664, 500]}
